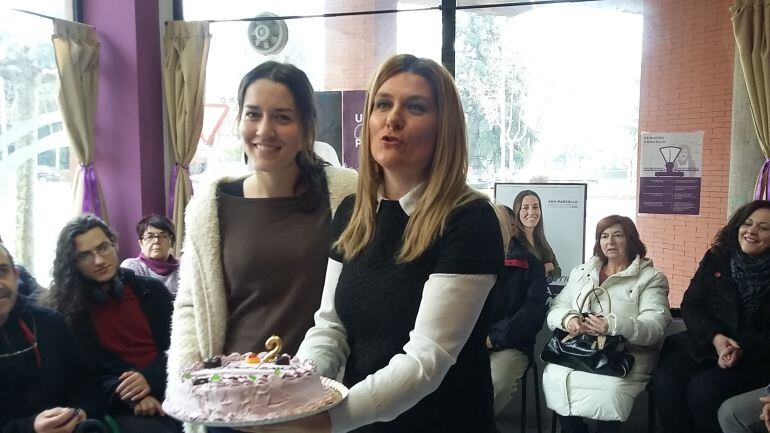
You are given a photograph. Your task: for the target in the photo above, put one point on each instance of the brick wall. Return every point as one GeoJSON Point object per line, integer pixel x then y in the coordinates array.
{"type": "Point", "coordinates": [687, 85]}
{"type": "Point", "coordinates": [356, 45]}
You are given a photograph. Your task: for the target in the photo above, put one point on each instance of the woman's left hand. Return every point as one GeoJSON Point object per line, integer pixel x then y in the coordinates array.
{"type": "Point", "coordinates": [596, 325]}
{"type": "Point", "coordinates": [318, 423]}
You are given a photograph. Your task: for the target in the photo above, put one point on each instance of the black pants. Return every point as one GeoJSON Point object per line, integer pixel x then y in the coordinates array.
{"type": "Point", "coordinates": [147, 424]}
{"type": "Point", "coordinates": [688, 393]}
{"type": "Point", "coordinates": [575, 424]}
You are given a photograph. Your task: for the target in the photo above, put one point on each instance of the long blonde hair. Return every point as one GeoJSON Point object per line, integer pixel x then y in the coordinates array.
{"type": "Point", "coordinates": [445, 187]}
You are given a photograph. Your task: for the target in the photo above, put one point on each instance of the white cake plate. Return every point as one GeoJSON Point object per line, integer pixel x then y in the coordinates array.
{"type": "Point", "coordinates": [335, 393]}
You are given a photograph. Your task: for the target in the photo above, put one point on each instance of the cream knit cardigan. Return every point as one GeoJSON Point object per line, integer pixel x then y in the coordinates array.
{"type": "Point", "coordinates": [199, 321]}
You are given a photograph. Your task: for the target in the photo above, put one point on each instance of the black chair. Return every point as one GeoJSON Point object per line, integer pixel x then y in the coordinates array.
{"type": "Point", "coordinates": [650, 409]}
{"type": "Point", "coordinates": [536, 379]}
{"type": "Point", "coordinates": [554, 420]}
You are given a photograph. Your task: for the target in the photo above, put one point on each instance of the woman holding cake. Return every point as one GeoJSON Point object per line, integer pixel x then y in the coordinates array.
{"type": "Point", "coordinates": [256, 247]}
{"type": "Point", "coordinates": [416, 253]}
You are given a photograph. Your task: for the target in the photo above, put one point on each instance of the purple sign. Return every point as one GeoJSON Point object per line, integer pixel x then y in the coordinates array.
{"type": "Point", "coordinates": [669, 195]}
{"type": "Point", "coordinates": [352, 125]}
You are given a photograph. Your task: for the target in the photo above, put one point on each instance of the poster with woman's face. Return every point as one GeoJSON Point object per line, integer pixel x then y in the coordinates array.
{"type": "Point", "coordinates": [562, 211]}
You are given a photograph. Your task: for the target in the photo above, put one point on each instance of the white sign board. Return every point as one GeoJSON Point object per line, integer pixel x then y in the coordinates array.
{"type": "Point", "coordinates": [564, 218]}
{"type": "Point", "coordinates": [670, 172]}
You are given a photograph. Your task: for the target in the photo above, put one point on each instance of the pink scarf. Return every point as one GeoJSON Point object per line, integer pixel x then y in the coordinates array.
{"type": "Point", "coordinates": [160, 268]}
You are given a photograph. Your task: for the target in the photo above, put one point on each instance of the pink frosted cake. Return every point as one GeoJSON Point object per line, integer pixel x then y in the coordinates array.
{"type": "Point", "coordinates": [240, 389]}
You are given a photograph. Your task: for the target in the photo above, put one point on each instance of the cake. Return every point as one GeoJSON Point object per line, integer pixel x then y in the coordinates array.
{"type": "Point", "coordinates": [248, 388]}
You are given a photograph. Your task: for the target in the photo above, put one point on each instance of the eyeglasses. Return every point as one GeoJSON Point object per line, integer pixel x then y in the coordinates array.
{"type": "Point", "coordinates": [89, 256]}
{"type": "Point", "coordinates": [148, 238]}
{"type": "Point", "coordinates": [30, 336]}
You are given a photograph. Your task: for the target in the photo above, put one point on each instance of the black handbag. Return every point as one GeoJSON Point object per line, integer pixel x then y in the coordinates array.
{"type": "Point", "coordinates": [91, 426]}
{"type": "Point", "coordinates": [607, 355]}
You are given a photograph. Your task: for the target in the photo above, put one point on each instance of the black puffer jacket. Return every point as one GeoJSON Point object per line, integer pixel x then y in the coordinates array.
{"type": "Point", "coordinates": [518, 301]}
{"type": "Point", "coordinates": [710, 306]}
{"type": "Point", "coordinates": [63, 378]}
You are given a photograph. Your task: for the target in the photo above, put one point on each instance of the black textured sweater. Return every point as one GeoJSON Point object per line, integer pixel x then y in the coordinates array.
{"type": "Point", "coordinates": [378, 300]}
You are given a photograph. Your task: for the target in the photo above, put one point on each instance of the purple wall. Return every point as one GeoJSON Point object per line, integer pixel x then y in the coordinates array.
{"type": "Point", "coordinates": [129, 131]}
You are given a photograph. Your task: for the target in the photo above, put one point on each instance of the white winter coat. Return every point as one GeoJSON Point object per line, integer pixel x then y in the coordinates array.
{"type": "Point", "coordinates": [198, 325]}
{"type": "Point", "coordinates": [640, 312]}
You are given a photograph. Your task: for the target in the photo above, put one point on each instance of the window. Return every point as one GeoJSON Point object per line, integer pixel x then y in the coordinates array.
{"type": "Point", "coordinates": [35, 171]}
{"type": "Point", "coordinates": [550, 97]}
{"type": "Point", "coordinates": [337, 53]}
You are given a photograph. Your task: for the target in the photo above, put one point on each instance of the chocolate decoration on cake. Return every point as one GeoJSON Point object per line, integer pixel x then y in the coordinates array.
{"type": "Point", "coordinates": [200, 381]}
{"type": "Point", "coordinates": [284, 359]}
{"type": "Point", "coordinates": [213, 362]}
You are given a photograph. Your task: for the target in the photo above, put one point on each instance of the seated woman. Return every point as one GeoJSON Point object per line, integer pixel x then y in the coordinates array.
{"type": "Point", "coordinates": [156, 240]}
{"type": "Point", "coordinates": [639, 311]}
{"type": "Point", "coordinates": [518, 311]}
{"type": "Point", "coordinates": [726, 347]}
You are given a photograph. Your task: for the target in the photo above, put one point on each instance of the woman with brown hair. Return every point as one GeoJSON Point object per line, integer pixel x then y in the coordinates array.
{"type": "Point", "coordinates": [725, 350]}
{"type": "Point", "coordinates": [632, 302]}
{"type": "Point", "coordinates": [529, 226]}
{"type": "Point", "coordinates": [256, 247]}
{"type": "Point", "coordinates": [417, 251]}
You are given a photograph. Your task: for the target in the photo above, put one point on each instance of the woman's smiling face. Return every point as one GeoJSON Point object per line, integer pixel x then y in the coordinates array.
{"type": "Point", "coordinates": [270, 126]}
{"type": "Point", "coordinates": [530, 213]}
{"type": "Point", "coordinates": [754, 233]}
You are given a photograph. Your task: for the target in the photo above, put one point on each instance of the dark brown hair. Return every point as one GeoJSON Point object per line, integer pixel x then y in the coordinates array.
{"type": "Point", "coordinates": [311, 167]}
{"type": "Point", "coordinates": [634, 245]}
{"type": "Point", "coordinates": [538, 233]}
{"type": "Point", "coordinates": [726, 240]}
{"type": "Point", "coordinates": [160, 222]}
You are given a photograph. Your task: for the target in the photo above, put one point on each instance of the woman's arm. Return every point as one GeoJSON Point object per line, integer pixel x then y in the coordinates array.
{"type": "Point", "coordinates": [695, 306]}
{"type": "Point", "coordinates": [555, 271]}
{"type": "Point", "coordinates": [649, 326]}
{"type": "Point", "coordinates": [183, 350]}
{"type": "Point", "coordinates": [326, 342]}
{"type": "Point", "coordinates": [449, 309]}
{"type": "Point", "coordinates": [199, 319]}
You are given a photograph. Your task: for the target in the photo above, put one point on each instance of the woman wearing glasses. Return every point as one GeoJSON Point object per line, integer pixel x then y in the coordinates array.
{"type": "Point", "coordinates": [156, 240]}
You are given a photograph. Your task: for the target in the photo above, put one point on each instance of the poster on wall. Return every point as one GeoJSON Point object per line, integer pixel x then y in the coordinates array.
{"type": "Point", "coordinates": [352, 125]}
{"type": "Point", "coordinates": [670, 172]}
{"type": "Point", "coordinates": [563, 215]}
